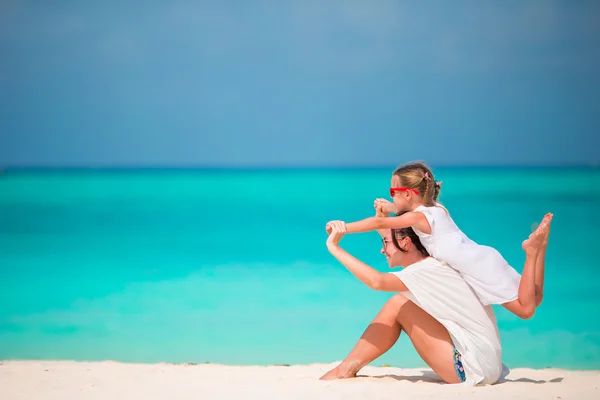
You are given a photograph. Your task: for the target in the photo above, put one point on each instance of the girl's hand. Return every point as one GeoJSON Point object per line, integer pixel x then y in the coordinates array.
{"type": "Point", "coordinates": [383, 208]}
{"type": "Point", "coordinates": [336, 233]}
{"type": "Point", "coordinates": [379, 211]}
{"type": "Point", "coordinates": [328, 226]}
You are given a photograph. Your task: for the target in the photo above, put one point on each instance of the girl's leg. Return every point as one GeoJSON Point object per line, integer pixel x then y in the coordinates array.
{"type": "Point", "coordinates": [430, 338]}
{"type": "Point", "coordinates": [526, 304]}
{"type": "Point", "coordinates": [539, 269]}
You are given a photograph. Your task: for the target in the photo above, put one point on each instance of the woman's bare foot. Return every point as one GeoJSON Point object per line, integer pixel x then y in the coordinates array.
{"type": "Point", "coordinates": [536, 240]}
{"type": "Point", "coordinates": [347, 369]}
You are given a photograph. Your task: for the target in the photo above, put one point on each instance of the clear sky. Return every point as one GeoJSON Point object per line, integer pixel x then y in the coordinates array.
{"type": "Point", "coordinates": [299, 83]}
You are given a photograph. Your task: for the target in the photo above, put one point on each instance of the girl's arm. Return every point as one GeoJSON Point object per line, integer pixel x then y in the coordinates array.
{"type": "Point", "coordinates": [372, 278]}
{"type": "Point", "coordinates": [381, 210]}
{"type": "Point", "coordinates": [414, 219]}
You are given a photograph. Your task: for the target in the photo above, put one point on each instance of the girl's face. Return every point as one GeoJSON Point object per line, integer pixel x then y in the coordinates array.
{"type": "Point", "coordinates": [400, 198]}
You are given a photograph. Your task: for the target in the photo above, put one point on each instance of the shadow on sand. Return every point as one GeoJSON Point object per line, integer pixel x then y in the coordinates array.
{"type": "Point", "coordinates": [432, 377]}
{"type": "Point", "coordinates": [426, 376]}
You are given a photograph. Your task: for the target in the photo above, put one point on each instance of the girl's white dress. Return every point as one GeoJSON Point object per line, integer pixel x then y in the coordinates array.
{"type": "Point", "coordinates": [483, 267]}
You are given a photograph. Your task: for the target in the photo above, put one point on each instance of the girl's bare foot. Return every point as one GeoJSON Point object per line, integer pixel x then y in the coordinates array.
{"type": "Point", "coordinates": [548, 219]}
{"type": "Point", "coordinates": [536, 240]}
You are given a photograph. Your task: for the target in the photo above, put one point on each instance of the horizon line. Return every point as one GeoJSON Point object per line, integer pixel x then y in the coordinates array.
{"type": "Point", "coordinates": [74, 168]}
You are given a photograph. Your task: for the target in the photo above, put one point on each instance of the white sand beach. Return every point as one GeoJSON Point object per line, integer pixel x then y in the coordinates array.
{"type": "Point", "coordinates": [111, 380]}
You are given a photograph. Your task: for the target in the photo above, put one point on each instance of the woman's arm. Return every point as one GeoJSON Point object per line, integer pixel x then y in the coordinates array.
{"type": "Point", "coordinates": [372, 278]}
{"type": "Point", "coordinates": [415, 219]}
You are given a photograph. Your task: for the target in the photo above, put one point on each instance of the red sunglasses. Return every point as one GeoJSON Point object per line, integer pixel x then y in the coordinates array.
{"type": "Point", "coordinates": [403, 189]}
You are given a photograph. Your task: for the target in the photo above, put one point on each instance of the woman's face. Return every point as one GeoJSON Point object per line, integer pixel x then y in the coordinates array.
{"type": "Point", "coordinates": [394, 257]}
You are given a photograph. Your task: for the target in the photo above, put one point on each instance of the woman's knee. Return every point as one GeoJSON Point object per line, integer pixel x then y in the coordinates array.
{"type": "Point", "coordinates": [397, 301]}
{"type": "Point", "coordinates": [391, 309]}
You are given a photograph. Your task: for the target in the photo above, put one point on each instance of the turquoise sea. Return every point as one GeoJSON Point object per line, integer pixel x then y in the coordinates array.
{"type": "Point", "coordinates": [230, 266]}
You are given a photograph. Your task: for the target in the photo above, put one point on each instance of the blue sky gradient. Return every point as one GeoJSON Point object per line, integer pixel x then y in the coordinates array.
{"type": "Point", "coordinates": [299, 83]}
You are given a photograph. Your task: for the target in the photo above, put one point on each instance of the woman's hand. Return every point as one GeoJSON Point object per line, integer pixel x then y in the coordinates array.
{"type": "Point", "coordinates": [337, 230]}
{"type": "Point", "coordinates": [383, 208]}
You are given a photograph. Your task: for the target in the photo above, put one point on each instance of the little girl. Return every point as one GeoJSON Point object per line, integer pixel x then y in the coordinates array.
{"type": "Point", "coordinates": [487, 272]}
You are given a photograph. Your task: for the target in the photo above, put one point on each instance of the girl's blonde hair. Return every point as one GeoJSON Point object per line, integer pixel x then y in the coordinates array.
{"type": "Point", "coordinates": [418, 176]}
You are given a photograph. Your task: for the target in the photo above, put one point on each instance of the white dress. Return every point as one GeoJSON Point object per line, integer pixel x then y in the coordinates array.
{"type": "Point", "coordinates": [483, 267]}
{"type": "Point", "coordinates": [444, 294]}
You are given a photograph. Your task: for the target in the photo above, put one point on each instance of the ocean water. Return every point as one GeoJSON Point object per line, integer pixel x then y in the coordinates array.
{"type": "Point", "coordinates": [230, 266]}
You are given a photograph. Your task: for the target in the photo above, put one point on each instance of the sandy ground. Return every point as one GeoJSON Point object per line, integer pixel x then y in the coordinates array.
{"type": "Point", "coordinates": [111, 380]}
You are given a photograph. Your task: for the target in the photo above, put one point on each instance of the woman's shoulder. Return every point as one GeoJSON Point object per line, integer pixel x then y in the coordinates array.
{"type": "Point", "coordinates": [428, 264]}
{"type": "Point", "coordinates": [433, 262]}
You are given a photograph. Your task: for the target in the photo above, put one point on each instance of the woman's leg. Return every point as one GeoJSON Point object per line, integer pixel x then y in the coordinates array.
{"type": "Point", "coordinates": [430, 338]}
{"type": "Point", "coordinates": [379, 337]}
